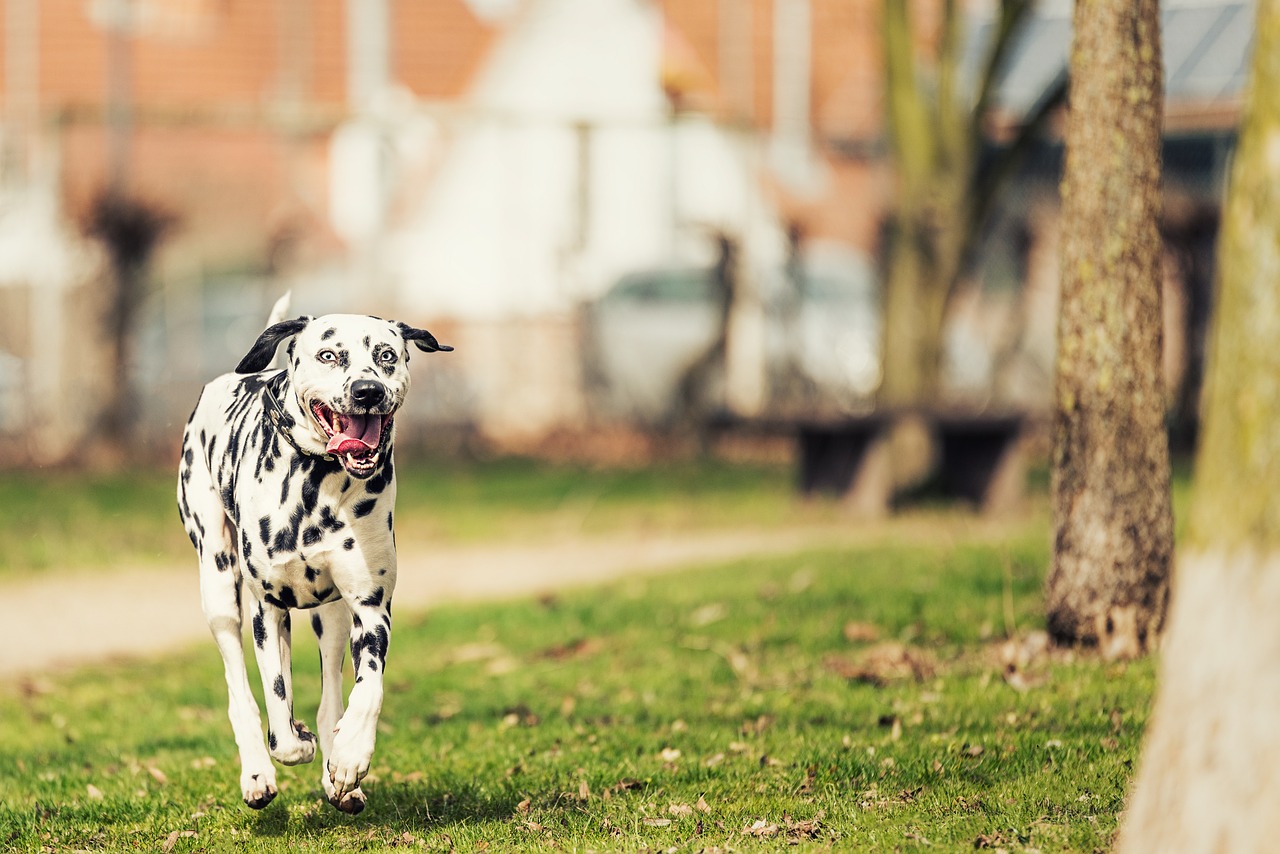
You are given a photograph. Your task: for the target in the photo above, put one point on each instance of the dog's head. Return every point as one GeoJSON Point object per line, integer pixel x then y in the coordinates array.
{"type": "Point", "coordinates": [350, 375]}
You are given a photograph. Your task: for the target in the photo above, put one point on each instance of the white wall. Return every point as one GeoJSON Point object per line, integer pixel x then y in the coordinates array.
{"type": "Point", "coordinates": [565, 170]}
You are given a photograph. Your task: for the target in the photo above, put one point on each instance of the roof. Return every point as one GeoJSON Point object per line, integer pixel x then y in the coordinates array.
{"type": "Point", "coordinates": [1207, 45]}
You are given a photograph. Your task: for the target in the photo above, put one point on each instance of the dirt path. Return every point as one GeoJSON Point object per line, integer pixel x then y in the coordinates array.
{"type": "Point", "coordinates": [83, 619]}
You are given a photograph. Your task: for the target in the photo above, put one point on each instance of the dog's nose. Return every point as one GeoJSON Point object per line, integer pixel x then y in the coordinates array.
{"type": "Point", "coordinates": [368, 392]}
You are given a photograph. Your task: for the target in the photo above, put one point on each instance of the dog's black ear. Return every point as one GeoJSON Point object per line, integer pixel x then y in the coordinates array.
{"type": "Point", "coordinates": [264, 349]}
{"type": "Point", "coordinates": [423, 339]}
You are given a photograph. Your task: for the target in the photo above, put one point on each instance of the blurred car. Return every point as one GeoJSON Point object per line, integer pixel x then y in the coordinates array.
{"type": "Point", "coordinates": [821, 335]}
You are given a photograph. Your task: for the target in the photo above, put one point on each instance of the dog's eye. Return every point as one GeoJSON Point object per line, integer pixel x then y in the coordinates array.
{"type": "Point", "coordinates": [327, 356]}
{"type": "Point", "coordinates": [387, 357]}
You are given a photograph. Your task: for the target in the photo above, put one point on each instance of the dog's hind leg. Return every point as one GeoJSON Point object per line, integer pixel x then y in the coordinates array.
{"type": "Point", "coordinates": [332, 625]}
{"type": "Point", "coordinates": [220, 598]}
{"type": "Point", "coordinates": [290, 742]}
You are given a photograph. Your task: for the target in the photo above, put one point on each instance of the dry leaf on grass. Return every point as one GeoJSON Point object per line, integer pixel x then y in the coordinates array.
{"type": "Point", "coordinates": [576, 648]}
{"type": "Point", "coordinates": [856, 632]}
{"type": "Point", "coordinates": [760, 829]}
{"type": "Point", "coordinates": [885, 663]}
{"type": "Point", "coordinates": [173, 838]}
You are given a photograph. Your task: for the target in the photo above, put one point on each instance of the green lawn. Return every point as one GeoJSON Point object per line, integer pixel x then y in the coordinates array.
{"type": "Point", "coordinates": [840, 700]}
{"type": "Point", "coordinates": [59, 521]}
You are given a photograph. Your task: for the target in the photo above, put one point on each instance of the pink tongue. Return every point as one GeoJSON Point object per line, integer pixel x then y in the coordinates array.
{"type": "Point", "coordinates": [358, 433]}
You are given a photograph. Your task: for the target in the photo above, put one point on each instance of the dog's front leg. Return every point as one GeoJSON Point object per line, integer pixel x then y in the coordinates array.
{"type": "Point", "coordinates": [289, 741]}
{"type": "Point", "coordinates": [357, 731]}
{"type": "Point", "coordinates": [332, 625]}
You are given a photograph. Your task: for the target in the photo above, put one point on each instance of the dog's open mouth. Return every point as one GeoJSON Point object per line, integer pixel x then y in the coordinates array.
{"type": "Point", "coordinates": [355, 438]}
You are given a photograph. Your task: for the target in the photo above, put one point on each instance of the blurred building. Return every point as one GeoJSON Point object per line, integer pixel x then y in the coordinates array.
{"type": "Point", "coordinates": [480, 167]}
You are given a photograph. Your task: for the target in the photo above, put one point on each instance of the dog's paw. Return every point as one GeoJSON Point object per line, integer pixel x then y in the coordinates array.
{"type": "Point", "coordinates": [352, 803]}
{"type": "Point", "coordinates": [296, 748]}
{"type": "Point", "coordinates": [258, 789]}
{"type": "Point", "coordinates": [348, 763]}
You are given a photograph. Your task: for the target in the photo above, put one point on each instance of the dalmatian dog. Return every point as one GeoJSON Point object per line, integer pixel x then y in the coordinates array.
{"type": "Point", "coordinates": [287, 490]}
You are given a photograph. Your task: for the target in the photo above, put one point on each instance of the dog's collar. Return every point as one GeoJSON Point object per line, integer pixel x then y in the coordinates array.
{"type": "Point", "coordinates": [284, 422]}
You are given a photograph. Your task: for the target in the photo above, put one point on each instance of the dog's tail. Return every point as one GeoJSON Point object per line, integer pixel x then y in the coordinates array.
{"type": "Point", "coordinates": [280, 309]}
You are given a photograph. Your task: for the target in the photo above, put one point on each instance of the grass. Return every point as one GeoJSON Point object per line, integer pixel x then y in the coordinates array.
{"type": "Point", "coordinates": [851, 699]}
{"type": "Point", "coordinates": [55, 522]}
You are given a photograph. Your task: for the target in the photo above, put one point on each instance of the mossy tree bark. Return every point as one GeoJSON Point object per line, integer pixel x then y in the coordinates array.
{"type": "Point", "coordinates": [1209, 778]}
{"type": "Point", "coordinates": [1113, 524]}
{"type": "Point", "coordinates": [945, 189]}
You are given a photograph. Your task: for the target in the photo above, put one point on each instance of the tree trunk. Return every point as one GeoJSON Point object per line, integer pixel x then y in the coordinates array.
{"type": "Point", "coordinates": [1113, 524]}
{"type": "Point", "coordinates": [1209, 778]}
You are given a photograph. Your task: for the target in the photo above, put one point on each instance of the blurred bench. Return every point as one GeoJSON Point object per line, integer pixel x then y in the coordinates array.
{"type": "Point", "coordinates": [981, 457]}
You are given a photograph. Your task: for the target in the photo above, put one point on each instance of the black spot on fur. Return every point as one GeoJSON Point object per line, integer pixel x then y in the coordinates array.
{"type": "Point", "coordinates": [349, 543]}
{"type": "Point", "coordinates": [390, 521]}
{"type": "Point", "coordinates": [373, 600]}
{"type": "Point", "coordinates": [271, 739]}
{"type": "Point", "coordinates": [287, 598]}
{"type": "Point", "coordinates": [381, 478]}
{"type": "Point", "coordinates": [310, 572]}
{"type": "Point", "coordinates": [328, 333]}
{"type": "Point", "coordinates": [278, 687]}
{"type": "Point", "coordinates": [311, 488]}
{"type": "Point", "coordinates": [286, 539]}
{"type": "Point", "coordinates": [329, 521]}
{"type": "Point", "coordinates": [344, 359]}
{"type": "Point", "coordinates": [264, 529]}
{"type": "Point", "coordinates": [317, 625]}
{"type": "Point", "coordinates": [311, 536]}
{"type": "Point", "coordinates": [259, 629]}
{"type": "Point", "coordinates": [364, 508]}
{"type": "Point", "coordinates": [323, 595]}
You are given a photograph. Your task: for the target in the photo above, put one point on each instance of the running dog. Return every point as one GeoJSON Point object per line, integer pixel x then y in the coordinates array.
{"type": "Point", "coordinates": [287, 490]}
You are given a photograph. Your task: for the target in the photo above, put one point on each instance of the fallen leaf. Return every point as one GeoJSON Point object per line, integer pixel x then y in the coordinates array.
{"type": "Point", "coordinates": [974, 750]}
{"type": "Point", "coordinates": [807, 829]}
{"type": "Point", "coordinates": [157, 775]}
{"type": "Point", "coordinates": [760, 829]}
{"type": "Point", "coordinates": [708, 614]}
{"type": "Point", "coordinates": [657, 822]}
{"type": "Point", "coordinates": [626, 784]}
{"type": "Point", "coordinates": [584, 791]}
{"type": "Point", "coordinates": [669, 754]}
{"type": "Point", "coordinates": [702, 806]}
{"type": "Point", "coordinates": [884, 663]}
{"type": "Point", "coordinates": [855, 632]}
{"type": "Point", "coordinates": [173, 838]}
{"type": "Point", "coordinates": [680, 810]}
{"type": "Point", "coordinates": [576, 648]}
{"type": "Point", "coordinates": [94, 792]}
{"type": "Point", "coordinates": [523, 806]}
